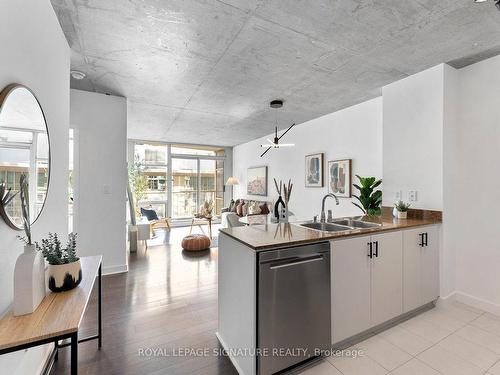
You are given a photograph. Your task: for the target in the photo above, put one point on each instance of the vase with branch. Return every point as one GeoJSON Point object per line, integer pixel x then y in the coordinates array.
{"type": "Point", "coordinates": [29, 272]}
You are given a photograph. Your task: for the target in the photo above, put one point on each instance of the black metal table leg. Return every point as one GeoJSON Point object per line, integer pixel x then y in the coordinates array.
{"type": "Point", "coordinates": [74, 353]}
{"type": "Point", "coordinates": [99, 308]}
{"type": "Point", "coordinates": [56, 347]}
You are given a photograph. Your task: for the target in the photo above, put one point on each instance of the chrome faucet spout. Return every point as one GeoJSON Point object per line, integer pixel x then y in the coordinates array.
{"type": "Point", "coordinates": [330, 195]}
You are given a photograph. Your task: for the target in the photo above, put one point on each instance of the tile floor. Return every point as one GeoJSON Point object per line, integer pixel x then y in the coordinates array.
{"type": "Point", "coordinates": [453, 339]}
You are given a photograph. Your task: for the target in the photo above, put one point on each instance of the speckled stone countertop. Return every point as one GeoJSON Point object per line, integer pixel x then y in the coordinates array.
{"type": "Point", "coordinates": [269, 236]}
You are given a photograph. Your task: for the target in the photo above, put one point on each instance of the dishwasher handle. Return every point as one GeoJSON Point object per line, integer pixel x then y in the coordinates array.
{"type": "Point", "coordinates": [295, 261]}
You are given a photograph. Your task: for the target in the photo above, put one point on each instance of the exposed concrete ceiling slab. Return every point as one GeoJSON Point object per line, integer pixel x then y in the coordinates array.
{"type": "Point", "coordinates": [204, 71]}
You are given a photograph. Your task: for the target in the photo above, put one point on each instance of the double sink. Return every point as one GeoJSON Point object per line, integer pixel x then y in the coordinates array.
{"type": "Point", "coordinates": [341, 225]}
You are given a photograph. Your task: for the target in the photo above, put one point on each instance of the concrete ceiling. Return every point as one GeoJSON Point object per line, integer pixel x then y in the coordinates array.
{"type": "Point", "coordinates": [204, 71]}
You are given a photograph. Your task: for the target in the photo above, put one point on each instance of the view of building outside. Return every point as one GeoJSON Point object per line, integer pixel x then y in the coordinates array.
{"type": "Point", "coordinates": [195, 179]}
{"type": "Point", "coordinates": [16, 161]}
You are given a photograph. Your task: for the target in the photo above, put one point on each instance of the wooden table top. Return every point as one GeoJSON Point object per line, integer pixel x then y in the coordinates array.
{"type": "Point", "coordinates": [58, 313]}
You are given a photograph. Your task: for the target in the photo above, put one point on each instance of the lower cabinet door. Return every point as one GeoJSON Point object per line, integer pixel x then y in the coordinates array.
{"type": "Point", "coordinates": [387, 277]}
{"type": "Point", "coordinates": [350, 288]}
{"type": "Point", "coordinates": [412, 268]}
{"type": "Point", "coordinates": [430, 265]}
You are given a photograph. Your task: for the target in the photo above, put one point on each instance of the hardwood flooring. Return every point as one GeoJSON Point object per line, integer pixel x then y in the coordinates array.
{"type": "Point", "coordinates": [167, 301]}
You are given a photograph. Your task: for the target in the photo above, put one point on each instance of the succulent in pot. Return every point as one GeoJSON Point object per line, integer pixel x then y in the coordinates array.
{"type": "Point", "coordinates": [401, 210]}
{"type": "Point", "coordinates": [65, 271]}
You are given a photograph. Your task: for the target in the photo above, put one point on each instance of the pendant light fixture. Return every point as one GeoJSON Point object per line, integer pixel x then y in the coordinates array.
{"type": "Point", "coordinates": [276, 142]}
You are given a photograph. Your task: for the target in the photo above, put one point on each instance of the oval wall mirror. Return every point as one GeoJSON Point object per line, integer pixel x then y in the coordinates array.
{"type": "Point", "coordinates": [24, 148]}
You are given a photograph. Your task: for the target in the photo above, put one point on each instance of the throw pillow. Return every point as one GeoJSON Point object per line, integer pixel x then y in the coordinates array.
{"type": "Point", "coordinates": [264, 210]}
{"type": "Point", "coordinates": [150, 214]}
{"type": "Point", "coordinates": [254, 209]}
{"type": "Point", "coordinates": [239, 209]}
{"type": "Point", "coordinates": [244, 209]}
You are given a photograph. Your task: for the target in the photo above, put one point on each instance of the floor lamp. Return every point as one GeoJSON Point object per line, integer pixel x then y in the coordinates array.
{"type": "Point", "coordinates": [231, 181]}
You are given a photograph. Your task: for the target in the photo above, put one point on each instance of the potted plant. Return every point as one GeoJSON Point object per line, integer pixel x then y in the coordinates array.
{"type": "Point", "coordinates": [400, 210]}
{"type": "Point", "coordinates": [29, 272]}
{"type": "Point", "coordinates": [65, 271]}
{"type": "Point", "coordinates": [369, 198]}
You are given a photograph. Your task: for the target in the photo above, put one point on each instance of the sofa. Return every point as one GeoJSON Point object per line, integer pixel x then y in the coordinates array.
{"type": "Point", "coordinates": [231, 215]}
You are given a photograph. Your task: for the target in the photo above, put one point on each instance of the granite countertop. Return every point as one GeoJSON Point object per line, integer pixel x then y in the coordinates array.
{"type": "Point", "coordinates": [269, 236]}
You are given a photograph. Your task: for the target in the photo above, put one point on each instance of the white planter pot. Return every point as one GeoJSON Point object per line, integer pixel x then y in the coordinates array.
{"type": "Point", "coordinates": [63, 277]}
{"type": "Point", "coordinates": [29, 281]}
{"type": "Point", "coordinates": [402, 215]}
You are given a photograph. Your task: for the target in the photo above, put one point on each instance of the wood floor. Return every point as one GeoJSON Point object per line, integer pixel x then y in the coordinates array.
{"type": "Point", "coordinates": [167, 301]}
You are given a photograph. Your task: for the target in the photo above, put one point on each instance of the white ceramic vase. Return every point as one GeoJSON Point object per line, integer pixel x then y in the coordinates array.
{"type": "Point", "coordinates": [29, 281]}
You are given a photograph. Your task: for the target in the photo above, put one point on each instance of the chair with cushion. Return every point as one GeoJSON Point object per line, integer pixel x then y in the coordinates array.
{"type": "Point", "coordinates": [154, 221]}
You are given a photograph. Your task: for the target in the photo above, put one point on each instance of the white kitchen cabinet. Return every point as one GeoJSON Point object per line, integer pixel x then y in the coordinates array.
{"type": "Point", "coordinates": [366, 291]}
{"type": "Point", "coordinates": [386, 277]}
{"type": "Point", "coordinates": [350, 287]}
{"type": "Point", "coordinates": [420, 267]}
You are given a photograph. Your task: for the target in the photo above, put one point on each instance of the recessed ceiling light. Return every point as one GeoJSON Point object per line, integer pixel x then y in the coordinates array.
{"type": "Point", "coordinates": [76, 74]}
{"type": "Point", "coordinates": [480, 1]}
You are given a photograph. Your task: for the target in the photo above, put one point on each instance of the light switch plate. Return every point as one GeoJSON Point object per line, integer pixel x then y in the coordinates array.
{"type": "Point", "coordinates": [412, 196]}
{"type": "Point", "coordinates": [399, 195]}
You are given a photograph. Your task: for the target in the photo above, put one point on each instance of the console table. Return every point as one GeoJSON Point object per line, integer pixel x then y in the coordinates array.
{"type": "Point", "coordinates": [57, 317]}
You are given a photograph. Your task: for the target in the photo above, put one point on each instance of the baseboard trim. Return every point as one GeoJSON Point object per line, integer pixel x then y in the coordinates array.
{"type": "Point", "coordinates": [110, 270]}
{"type": "Point", "coordinates": [479, 303]}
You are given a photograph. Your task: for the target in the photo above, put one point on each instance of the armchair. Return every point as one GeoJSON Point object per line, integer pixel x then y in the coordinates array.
{"type": "Point", "coordinates": [154, 221]}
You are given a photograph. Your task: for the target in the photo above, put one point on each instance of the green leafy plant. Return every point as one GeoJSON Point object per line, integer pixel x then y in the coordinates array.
{"type": "Point", "coordinates": [53, 251]}
{"type": "Point", "coordinates": [138, 181]}
{"type": "Point", "coordinates": [369, 198]}
{"type": "Point", "coordinates": [402, 206]}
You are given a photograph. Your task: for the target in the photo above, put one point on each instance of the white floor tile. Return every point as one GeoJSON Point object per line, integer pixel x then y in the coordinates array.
{"type": "Point", "coordinates": [460, 311]}
{"type": "Point", "coordinates": [469, 351]}
{"type": "Point", "coordinates": [426, 329]}
{"type": "Point", "coordinates": [384, 353]}
{"type": "Point", "coordinates": [448, 363]}
{"type": "Point", "coordinates": [415, 367]}
{"type": "Point", "coordinates": [495, 369]}
{"type": "Point", "coordinates": [362, 365]}
{"type": "Point", "coordinates": [322, 368]}
{"type": "Point", "coordinates": [406, 340]}
{"type": "Point", "coordinates": [480, 337]}
{"type": "Point", "coordinates": [442, 319]}
{"type": "Point", "coordinates": [488, 322]}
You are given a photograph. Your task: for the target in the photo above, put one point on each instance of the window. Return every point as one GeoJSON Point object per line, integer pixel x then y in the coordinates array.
{"type": "Point", "coordinates": [197, 175]}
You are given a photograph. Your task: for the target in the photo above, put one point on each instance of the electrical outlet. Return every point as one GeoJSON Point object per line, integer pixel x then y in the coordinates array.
{"type": "Point", "coordinates": [412, 196]}
{"type": "Point", "coordinates": [399, 195]}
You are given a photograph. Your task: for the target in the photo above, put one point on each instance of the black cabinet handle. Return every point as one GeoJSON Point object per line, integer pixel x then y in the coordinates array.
{"type": "Point", "coordinates": [421, 244]}
{"type": "Point", "coordinates": [426, 239]}
{"type": "Point", "coordinates": [376, 249]}
{"type": "Point", "coordinates": [370, 248]}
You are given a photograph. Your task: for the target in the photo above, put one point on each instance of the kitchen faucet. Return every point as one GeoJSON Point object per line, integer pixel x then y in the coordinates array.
{"type": "Point", "coordinates": [323, 216]}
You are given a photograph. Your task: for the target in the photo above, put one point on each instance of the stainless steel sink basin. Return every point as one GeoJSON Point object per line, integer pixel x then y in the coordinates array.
{"type": "Point", "coordinates": [326, 227]}
{"type": "Point", "coordinates": [356, 223]}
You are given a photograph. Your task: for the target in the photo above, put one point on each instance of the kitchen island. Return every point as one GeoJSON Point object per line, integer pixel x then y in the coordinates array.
{"type": "Point", "coordinates": [287, 292]}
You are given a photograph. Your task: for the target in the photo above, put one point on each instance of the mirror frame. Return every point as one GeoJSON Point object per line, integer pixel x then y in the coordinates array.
{"type": "Point", "coordinates": [4, 94]}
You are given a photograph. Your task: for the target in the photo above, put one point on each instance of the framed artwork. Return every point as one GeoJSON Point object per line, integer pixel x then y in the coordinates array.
{"type": "Point", "coordinates": [257, 181]}
{"type": "Point", "coordinates": [339, 178]}
{"type": "Point", "coordinates": [314, 170]}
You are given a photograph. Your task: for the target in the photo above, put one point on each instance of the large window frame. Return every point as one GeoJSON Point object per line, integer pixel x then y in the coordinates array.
{"type": "Point", "coordinates": [168, 203]}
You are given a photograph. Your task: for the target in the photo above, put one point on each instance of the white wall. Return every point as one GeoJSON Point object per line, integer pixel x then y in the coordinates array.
{"type": "Point", "coordinates": [34, 52]}
{"type": "Point", "coordinates": [100, 129]}
{"type": "Point", "coordinates": [353, 133]}
{"type": "Point", "coordinates": [413, 113]}
{"type": "Point", "coordinates": [476, 185]}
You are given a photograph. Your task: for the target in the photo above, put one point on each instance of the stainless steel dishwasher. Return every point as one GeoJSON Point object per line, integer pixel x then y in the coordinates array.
{"type": "Point", "coordinates": [294, 308]}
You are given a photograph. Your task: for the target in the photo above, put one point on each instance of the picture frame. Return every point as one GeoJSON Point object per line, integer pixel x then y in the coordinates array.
{"type": "Point", "coordinates": [314, 165]}
{"type": "Point", "coordinates": [257, 180]}
{"type": "Point", "coordinates": [340, 178]}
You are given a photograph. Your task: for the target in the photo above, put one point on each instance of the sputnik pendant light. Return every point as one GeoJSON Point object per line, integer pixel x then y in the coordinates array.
{"type": "Point", "coordinates": [275, 143]}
